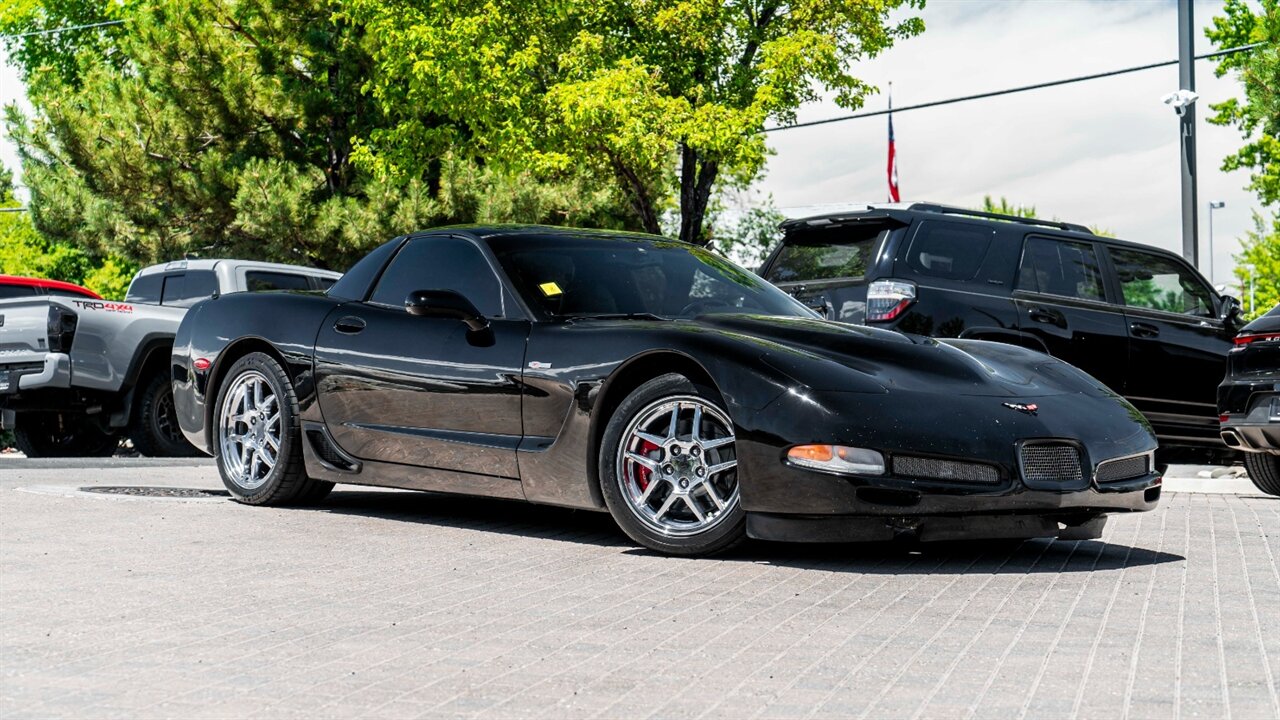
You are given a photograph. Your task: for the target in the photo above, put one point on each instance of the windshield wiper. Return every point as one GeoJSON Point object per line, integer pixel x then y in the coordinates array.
{"type": "Point", "coordinates": [614, 316]}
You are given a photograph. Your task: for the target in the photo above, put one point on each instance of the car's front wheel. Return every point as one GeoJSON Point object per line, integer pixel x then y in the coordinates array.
{"type": "Point", "coordinates": [1264, 471]}
{"type": "Point", "coordinates": [258, 436]}
{"type": "Point", "coordinates": [669, 469]}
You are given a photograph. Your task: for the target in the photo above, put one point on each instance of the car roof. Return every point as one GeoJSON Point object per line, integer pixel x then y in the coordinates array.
{"type": "Point", "coordinates": [905, 213]}
{"type": "Point", "coordinates": [540, 233]}
{"type": "Point", "coordinates": [48, 285]}
{"type": "Point", "coordinates": [211, 263]}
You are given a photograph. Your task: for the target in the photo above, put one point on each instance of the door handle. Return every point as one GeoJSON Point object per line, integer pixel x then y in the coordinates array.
{"type": "Point", "coordinates": [1144, 330]}
{"type": "Point", "coordinates": [349, 325]}
{"type": "Point", "coordinates": [1049, 317]}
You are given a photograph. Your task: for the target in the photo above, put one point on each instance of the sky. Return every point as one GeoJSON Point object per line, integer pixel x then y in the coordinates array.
{"type": "Point", "coordinates": [1102, 153]}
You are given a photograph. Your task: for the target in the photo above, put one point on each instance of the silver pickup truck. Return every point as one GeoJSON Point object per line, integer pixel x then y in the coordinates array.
{"type": "Point", "coordinates": [78, 373]}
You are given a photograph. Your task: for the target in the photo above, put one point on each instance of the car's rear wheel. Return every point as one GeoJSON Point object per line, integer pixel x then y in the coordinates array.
{"type": "Point", "coordinates": [1264, 471]}
{"type": "Point", "coordinates": [669, 469]}
{"type": "Point", "coordinates": [258, 436]}
{"type": "Point", "coordinates": [46, 435]}
{"type": "Point", "coordinates": [154, 430]}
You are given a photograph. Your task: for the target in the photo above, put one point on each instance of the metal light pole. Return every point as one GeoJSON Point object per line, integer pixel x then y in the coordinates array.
{"type": "Point", "coordinates": [1213, 205]}
{"type": "Point", "coordinates": [1187, 134]}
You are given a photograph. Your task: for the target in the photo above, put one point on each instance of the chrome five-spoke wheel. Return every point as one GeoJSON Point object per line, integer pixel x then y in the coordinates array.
{"type": "Point", "coordinates": [677, 466]}
{"type": "Point", "coordinates": [249, 430]}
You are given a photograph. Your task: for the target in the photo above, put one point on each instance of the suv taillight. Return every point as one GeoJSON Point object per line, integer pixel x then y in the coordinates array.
{"type": "Point", "coordinates": [1255, 337]}
{"type": "Point", "coordinates": [62, 329]}
{"type": "Point", "coordinates": [888, 299]}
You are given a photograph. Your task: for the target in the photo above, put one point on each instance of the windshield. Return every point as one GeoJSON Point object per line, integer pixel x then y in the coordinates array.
{"type": "Point", "coordinates": [627, 276]}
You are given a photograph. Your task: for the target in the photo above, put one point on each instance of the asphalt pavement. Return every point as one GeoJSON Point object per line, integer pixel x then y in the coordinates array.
{"type": "Point", "coordinates": [399, 604]}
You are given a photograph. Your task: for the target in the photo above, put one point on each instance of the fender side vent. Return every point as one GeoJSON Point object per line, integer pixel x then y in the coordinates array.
{"type": "Point", "coordinates": [329, 454]}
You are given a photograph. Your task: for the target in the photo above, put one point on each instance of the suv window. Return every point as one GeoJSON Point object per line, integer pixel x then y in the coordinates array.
{"type": "Point", "coordinates": [1059, 267]}
{"type": "Point", "coordinates": [259, 280]}
{"type": "Point", "coordinates": [145, 289]}
{"type": "Point", "coordinates": [844, 256]}
{"type": "Point", "coordinates": [949, 250]}
{"type": "Point", "coordinates": [440, 263]}
{"type": "Point", "coordinates": [1160, 283]}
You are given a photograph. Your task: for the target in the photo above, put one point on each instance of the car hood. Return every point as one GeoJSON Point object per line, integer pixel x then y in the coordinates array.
{"type": "Point", "coordinates": [827, 355]}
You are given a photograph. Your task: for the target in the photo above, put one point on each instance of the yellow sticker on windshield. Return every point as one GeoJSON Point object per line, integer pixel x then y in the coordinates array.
{"type": "Point", "coordinates": [550, 289]}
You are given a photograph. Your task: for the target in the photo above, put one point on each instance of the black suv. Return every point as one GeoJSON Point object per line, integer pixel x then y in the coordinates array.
{"type": "Point", "coordinates": [1139, 319]}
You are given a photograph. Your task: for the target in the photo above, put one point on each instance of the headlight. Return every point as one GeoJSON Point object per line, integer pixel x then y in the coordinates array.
{"type": "Point", "coordinates": [837, 459]}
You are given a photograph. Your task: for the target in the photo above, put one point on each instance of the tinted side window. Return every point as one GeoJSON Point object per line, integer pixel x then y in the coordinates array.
{"type": "Point", "coordinates": [145, 289]}
{"type": "Point", "coordinates": [949, 250]}
{"type": "Point", "coordinates": [323, 283]}
{"type": "Point", "coordinates": [258, 280]}
{"type": "Point", "coordinates": [1058, 267]}
{"type": "Point", "coordinates": [1159, 283]}
{"type": "Point", "coordinates": [16, 291]}
{"type": "Point", "coordinates": [841, 257]}
{"type": "Point", "coordinates": [440, 263]}
{"type": "Point", "coordinates": [354, 284]}
{"type": "Point", "coordinates": [187, 289]}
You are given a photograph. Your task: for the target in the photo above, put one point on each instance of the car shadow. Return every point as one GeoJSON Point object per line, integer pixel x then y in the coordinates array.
{"type": "Point", "coordinates": [598, 529]}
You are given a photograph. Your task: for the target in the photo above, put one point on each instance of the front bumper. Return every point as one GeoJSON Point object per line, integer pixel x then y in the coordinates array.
{"type": "Point", "coordinates": [882, 511]}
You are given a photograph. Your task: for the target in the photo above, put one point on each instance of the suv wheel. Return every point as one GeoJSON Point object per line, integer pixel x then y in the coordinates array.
{"type": "Point", "coordinates": [154, 430]}
{"type": "Point", "coordinates": [43, 435]}
{"type": "Point", "coordinates": [1264, 471]}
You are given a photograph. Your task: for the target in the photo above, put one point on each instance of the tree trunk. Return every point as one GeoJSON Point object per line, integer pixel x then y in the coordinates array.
{"type": "Point", "coordinates": [697, 176]}
{"type": "Point", "coordinates": [638, 193]}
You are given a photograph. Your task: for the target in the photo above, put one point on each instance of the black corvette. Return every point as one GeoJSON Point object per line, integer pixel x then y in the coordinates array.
{"type": "Point", "coordinates": [692, 400]}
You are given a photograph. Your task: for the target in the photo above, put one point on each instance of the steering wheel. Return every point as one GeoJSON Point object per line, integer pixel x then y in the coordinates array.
{"type": "Point", "coordinates": [699, 307]}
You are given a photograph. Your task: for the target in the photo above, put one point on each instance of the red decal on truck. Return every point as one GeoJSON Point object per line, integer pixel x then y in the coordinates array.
{"type": "Point", "coordinates": [101, 305]}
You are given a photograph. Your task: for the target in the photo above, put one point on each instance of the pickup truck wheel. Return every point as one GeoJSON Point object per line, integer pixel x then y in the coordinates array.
{"type": "Point", "coordinates": [258, 435]}
{"type": "Point", "coordinates": [44, 435]}
{"type": "Point", "coordinates": [154, 430]}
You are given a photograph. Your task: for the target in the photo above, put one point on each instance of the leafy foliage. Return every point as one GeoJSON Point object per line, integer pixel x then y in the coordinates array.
{"type": "Point", "coordinates": [666, 97]}
{"type": "Point", "coordinates": [1258, 116]}
{"type": "Point", "coordinates": [1258, 266]}
{"type": "Point", "coordinates": [226, 127]}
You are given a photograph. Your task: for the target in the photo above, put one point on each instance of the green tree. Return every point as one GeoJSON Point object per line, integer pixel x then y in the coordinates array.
{"type": "Point", "coordinates": [668, 97]}
{"type": "Point", "coordinates": [1004, 207]}
{"type": "Point", "coordinates": [226, 127]}
{"type": "Point", "coordinates": [1258, 266]}
{"type": "Point", "coordinates": [1257, 117]}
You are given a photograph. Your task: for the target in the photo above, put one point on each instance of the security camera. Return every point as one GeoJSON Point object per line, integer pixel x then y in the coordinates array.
{"type": "Point", "coordinates": [1180, 100]}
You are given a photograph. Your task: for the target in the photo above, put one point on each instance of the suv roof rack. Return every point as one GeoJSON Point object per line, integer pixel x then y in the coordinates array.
{"type": "Point", "coordinates": [949, 210]}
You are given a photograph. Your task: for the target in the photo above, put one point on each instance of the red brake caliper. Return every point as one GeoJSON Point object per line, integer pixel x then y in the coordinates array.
{"type": "Point", "coordinates": [642, 473]}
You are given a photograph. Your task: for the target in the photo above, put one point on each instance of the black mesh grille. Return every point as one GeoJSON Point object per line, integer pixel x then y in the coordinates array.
{"type": "Point", "coordinates": [945, 470]}
{"type": "Point", "coordinates": [1124, 468]}
{"type": "Point", "coordinates": [327, 451]}
{"type": "Point", "coordinates": [1051, 462]}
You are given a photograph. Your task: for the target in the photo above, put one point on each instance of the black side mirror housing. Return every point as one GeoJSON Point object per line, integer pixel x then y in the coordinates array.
{"type": "Point", "coordinates": [1231, 311]}
{"type": "Point", "coordinates": [445, 304]}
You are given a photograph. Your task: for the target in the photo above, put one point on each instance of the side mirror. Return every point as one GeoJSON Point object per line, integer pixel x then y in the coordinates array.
{"type": "Point", "coordinates": [1230, 310]}
{"type": "Point", "coordinates": [445, 304]}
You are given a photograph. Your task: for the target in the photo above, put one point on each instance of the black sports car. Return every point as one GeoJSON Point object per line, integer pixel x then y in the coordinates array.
{"type": "Point", "coordinates": [1249, 400]}
{"type": "Point", "coordinates": [694, 401]}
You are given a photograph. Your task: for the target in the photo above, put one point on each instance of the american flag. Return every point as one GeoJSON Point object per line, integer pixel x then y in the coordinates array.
{"type": "Point", "coordinates": [893, 158]}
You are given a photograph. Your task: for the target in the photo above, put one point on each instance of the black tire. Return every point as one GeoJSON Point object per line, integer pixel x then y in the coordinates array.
{"type": "Point", "coordinates": [728, 531]}
{"type": "Point", "coordinates": [154, 429]}
{"type": "Point", "coordinates": [286, 481]}
{"type": "Point", "coordinates": [55, 435]}
{"type": "Point", "coordinates": [1264, 471]}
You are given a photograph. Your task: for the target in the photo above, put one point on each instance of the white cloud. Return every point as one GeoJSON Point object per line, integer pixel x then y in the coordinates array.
{"type": "Point", "coordinates": [1103, 152]}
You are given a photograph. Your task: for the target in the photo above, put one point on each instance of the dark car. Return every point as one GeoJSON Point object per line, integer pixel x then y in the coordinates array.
{"type": "Point", "coordinates": [1249, 400]}
{"type": "Point", "coordinates": [1139, 319]}
{"type": "Point", "coordinates": [694, 401]}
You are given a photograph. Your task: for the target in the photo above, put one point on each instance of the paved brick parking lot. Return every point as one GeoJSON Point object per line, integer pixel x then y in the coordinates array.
{"type": "Point", "coordinates": [397, 604]}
